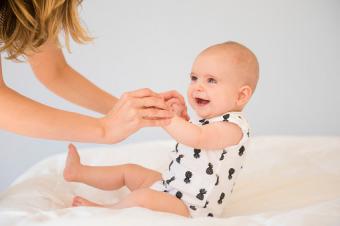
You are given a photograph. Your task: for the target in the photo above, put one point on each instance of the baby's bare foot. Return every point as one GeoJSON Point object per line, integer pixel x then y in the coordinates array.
{"type": "Point", "coordinates": [79, 201]}
{"type": "Point", "coordinates": [72, 164]}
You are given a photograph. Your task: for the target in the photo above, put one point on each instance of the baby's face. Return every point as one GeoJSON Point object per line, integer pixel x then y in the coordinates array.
{"type": "Point", "coordinates": [214, 87]}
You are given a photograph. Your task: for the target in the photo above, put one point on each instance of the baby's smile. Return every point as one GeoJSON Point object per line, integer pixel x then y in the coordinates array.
{"type": "Point", "coordinates": [201, 102]}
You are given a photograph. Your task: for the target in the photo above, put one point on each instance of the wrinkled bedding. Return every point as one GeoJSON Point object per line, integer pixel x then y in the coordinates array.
{"type": "Point", "coordinates": [285, 181]}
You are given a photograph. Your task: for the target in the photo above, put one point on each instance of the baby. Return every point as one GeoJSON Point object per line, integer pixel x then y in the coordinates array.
{"type": "Point", "coordinates": [209, 153]}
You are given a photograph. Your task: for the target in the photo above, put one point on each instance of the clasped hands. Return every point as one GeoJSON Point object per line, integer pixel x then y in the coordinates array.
{"type": "Point", "coordinates": [141, 108]}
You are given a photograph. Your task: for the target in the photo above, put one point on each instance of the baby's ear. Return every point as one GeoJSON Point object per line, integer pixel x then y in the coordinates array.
{"type": "Point", "coordinates": [244, 95]}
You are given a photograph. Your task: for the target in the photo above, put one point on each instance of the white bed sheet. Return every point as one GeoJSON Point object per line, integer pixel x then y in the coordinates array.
{"type": "Point", "coordinates": [285, 181]}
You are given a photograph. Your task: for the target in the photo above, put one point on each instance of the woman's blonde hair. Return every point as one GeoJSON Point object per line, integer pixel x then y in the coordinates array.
{"type": "Point", "coordinates": [27, 24]}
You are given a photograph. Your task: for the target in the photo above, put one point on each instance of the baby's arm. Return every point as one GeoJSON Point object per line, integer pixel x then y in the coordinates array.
{"type": "Point", "coordinates": [212, 136]}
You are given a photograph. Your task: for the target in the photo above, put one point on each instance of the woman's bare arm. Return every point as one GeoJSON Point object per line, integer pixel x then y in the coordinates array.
{"type": "Point", "coordinates": [51, 68]}
{"type": "Point", "coordinates": [26, 117]}
{"type": "Point", "coordinates": [123, 116]}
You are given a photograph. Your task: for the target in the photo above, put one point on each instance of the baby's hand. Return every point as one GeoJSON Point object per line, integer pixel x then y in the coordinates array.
{"type": "Point", "coordinates": [178, 108]}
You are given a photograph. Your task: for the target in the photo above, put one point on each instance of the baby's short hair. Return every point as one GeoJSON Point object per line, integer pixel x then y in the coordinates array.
{"type": "Point", "coordinates": [243, 58]}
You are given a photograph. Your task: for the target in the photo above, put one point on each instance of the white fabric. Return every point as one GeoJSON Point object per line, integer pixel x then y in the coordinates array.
{"type": "Point", "coordinates": [285, 181]}
{"type": "Point", "coordinates": [204, 179]}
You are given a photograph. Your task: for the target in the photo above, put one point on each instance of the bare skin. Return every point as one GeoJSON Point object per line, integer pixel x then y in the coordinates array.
{"type": "Point", "coordinates": [218, 85]}
{"type": "Point", "coordinates": [225, 76]}
{"type": "Point", "coordinates": [132, 111]}
{"type": "Point", "coordinates": [136, 178]}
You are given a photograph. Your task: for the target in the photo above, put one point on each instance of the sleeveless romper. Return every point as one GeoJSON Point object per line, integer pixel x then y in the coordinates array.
{"type": "Point", "coordinates": [204, 179]}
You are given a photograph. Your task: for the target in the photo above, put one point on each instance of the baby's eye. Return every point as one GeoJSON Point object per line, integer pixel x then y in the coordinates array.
{"type": "Point", "coordinates": [212, 80]}
{"type": "Point", "coordinates": [193, 78]}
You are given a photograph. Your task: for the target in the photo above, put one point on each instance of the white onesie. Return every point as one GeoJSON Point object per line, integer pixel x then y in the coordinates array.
{"type": "Point", "coordinates": [204, 179]}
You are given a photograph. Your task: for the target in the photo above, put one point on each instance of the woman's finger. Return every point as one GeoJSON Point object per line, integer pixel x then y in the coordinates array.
{"type": "Point", "coordinates": [172, 94]}
{"type": "Point", "coordinates": [155, 102]}
{"type": "Point", "coordinates": [153, 113]}
{"type": "Point", "coordinates": [145, 92]}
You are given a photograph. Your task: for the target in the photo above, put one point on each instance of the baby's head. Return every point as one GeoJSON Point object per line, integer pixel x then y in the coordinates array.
{"type": "Point", "coordinates": [223, 78]}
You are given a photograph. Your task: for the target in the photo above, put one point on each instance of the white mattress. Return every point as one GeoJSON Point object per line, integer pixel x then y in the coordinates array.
{"type": "Point", "coordinates": [285, 181]}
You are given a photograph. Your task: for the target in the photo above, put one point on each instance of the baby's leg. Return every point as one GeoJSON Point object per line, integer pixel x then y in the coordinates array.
{"type": "Point", "coordinates": [153, 200]}
{"type": "Point", "coordinates": [146, 198]}
{"type": "Point", "coordinates": [108, 177]}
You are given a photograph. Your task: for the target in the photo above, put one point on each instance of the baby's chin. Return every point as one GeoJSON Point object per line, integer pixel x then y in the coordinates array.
{"type": "Point", "coordinates": [210, 110]}
{"type": "Point", "coordinates": [208, 115]}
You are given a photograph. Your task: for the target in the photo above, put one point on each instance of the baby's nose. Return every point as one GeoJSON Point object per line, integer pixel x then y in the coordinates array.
{"type": "Point", "coordinates": [199, 87]}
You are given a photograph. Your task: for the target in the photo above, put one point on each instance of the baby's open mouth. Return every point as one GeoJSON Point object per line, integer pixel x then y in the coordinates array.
{"type": "Point", "coordinates": [202, 102]}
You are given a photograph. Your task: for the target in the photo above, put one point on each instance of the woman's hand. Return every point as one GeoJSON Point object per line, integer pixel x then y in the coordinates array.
{"type": "Point", "coordinates": [133, 111]}
{"type": "Point", "coordinates": [177, 103]}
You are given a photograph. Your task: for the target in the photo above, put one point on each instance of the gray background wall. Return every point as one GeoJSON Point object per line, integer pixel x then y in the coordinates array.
{"type": "Point", "coordinates": [152, 44]}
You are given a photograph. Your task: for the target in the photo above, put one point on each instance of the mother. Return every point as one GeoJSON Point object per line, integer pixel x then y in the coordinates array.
{"type": "Point", "coordinates": [30, 29]}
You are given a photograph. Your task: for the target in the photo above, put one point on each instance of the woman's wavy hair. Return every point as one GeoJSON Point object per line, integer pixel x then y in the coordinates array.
{"type": "Point", "coordinates": [27, 24]}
